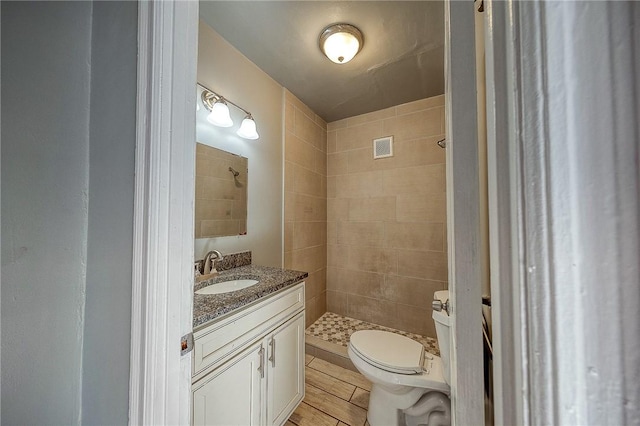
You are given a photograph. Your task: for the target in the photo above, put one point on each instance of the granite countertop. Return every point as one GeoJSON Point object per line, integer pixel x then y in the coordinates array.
{"type": "Point", "coordinates": [207, 308]}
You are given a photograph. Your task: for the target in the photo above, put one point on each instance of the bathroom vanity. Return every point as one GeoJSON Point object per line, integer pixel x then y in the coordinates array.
{"type": "Point", "coordinates": [248, 356]}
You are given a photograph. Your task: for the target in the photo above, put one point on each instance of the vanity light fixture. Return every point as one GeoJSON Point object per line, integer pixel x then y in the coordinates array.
{"type": "Point", "coordinates": [219, 114]}
{"type": "Point", "coordinates": [341, 42]}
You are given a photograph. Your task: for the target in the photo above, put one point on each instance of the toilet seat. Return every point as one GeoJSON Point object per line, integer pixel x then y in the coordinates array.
{"type": "Point", "coordinates": [388, 351]}
{"type": "Point", "coordinates": [431, 376]}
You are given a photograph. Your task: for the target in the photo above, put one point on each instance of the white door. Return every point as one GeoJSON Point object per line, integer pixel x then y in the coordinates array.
{"type": "Point", "coordinates": [232, 394]}
{"type": "Point", "coordinates": [286, 370]}
{"type": "Point", "coordinates": [463, 215]}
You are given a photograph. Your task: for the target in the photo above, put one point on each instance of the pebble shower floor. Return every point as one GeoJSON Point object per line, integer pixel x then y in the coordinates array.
{"type": "Point", "coordinates": [337, 329]}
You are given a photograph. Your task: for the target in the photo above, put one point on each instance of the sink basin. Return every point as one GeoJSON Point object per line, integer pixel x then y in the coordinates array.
{"type": "Point", "coordinates": [227, 286]}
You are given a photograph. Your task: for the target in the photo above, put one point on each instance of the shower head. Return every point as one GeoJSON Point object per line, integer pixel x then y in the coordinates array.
{"type": "Point", "coordinates": [235, 173]}
{"type": "Point", "coordinates": [442, 143]}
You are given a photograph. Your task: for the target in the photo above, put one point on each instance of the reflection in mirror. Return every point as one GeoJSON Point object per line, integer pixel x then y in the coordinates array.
{"type": "Point", "coordinates": [221, 193]}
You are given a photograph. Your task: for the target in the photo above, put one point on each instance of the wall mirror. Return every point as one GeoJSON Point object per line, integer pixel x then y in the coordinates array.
{"type": "Point", "coordinates": [221, 193]}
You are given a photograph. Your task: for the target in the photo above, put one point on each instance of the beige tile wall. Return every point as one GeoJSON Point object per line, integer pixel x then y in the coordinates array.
{"type": "Point", "coordinates": [386, 218]}
{"type": "Point", "coordinates": [221, 198]}
{"type": "Point", "coordinates": [305, 200]}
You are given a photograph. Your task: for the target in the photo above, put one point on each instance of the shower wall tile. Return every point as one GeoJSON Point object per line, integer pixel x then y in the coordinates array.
{"type": "Point", "coordinates": [288, 174]}
{"type": "Point", "coordinates": [366, 184]}
{"type": "Point", "coordinates": [359, 136]}
{"type": "Point", "coordinates": [337, 255]}
{"type": "Point", "coordinates": [331, 142]}
{"type": "Point", "coordinates": [307, 181]}
{"type": "Point", "coordinates": [434, 101]}
{"type": "Point", "coordinates": [308, 130]}
{"type": "Point", "coordinates": [414, 319]}
{"type": "Point", "coordinates": [372, 116]}
{"type": "Point", "coordinates": [332, 232]}
{"type": "Point", "coordinates": [305, 212]}
{"type": "Point", "coordinates": [288, 234]}
{"type": "Point", "coordinates": [337, 302]}
{"type": "Point", "coordinates": [416, 292]}
{"type": "Point", "coordinates": [298, 152]}
{"type": "Point", "coordinates": [291, 99]}
{"type": "Point", "coordinates": [358, 282]}
{"type": "Point", "coordinates": [415, 125]}
{"type": "Point", "coordinates": [289, 114]}
{"type": "Point", "coordinates": [432, 208]}
{"type": "Point", "coordinates": [309, 234]}
{"type": "Point", "coordinates": [414, 236]}
{"type": "Point", "coordinates": [338, 208]}
{"type": "Point", "coordinates": [386, 218]}
{"type": "Point", "coordinates": [415, 180]}
{"type": "Point", "coordinates": [372, 209]}
{"type": "Point", "coordinates": [371, 259]}
{"type": "Point", "coordinates": [430, 265]}
{"type": "Point", "coordinates": [337, 164]}
{"type": "Point", "coordinates": [363, 234]}
{"type": "Point", "coordinates": [335, 125]}
{"type": "Point", "coordinates": [377, 311]}
{"type": "Point", "coordinates": [307, 208]}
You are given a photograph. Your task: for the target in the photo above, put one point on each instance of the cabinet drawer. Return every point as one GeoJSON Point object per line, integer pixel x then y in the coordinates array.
{"type": "Point", "coordinates": [218, 341]}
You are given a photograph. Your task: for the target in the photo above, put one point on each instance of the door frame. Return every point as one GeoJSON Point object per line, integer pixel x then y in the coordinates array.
{"type": "Point", "coordinates": [516, 31]}
{"type": "Point", "coordinates": [160, 379]}
{"type": "Point", "coordinates": [463, 223]}
{"type": "Point", "coordinates": [162, 299]}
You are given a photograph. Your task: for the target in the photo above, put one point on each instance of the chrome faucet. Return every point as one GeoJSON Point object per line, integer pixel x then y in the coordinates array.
{"type": "Point", "coordinates": [209, 262]}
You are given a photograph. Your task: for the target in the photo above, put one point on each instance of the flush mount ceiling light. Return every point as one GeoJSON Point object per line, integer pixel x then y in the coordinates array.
{"type": "Point", "coordinates": [340, 42]}
{"type": "Point", "coordinates": [219, 114]}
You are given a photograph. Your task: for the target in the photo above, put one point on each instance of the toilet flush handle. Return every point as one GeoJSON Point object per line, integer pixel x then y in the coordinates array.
{"type": "Point", "coordinates": [438, 305]}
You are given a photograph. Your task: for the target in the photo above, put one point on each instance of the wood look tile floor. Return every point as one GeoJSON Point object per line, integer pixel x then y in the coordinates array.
{"type": "Point", "coordinates": [334, 396]}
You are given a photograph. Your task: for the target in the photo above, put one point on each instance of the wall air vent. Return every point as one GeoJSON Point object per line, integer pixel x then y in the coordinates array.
{"type": "Point", "coordinates": [383, 147]}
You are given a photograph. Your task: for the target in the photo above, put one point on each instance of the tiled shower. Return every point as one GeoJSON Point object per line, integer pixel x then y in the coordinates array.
{"type": "Point", "coordinates": [371, 232]}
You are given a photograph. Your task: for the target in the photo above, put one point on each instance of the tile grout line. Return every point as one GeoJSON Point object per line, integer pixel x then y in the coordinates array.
{"type": "Point", "coordinates": [346, 400]}
{"type": "Point", "coordinates": [320, 409]}
{"type": "Point", "coordinates": [353, 393]}
{"type": "Point", "coordinates": [330, 375]}
{"type": "Point", "coordinates": [316, 408]}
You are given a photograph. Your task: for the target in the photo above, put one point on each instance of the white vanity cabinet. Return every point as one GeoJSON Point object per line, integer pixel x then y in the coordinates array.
{"type": "Point", "coordinates": [285, 373]}
{"type": "Point", "coordinates": [231, 394]}
{"type": "Point", "coordinates": [249, 367]}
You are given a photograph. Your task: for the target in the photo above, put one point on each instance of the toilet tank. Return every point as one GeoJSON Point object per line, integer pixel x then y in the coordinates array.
{"type": "Point", "coordinates": [443, 333]}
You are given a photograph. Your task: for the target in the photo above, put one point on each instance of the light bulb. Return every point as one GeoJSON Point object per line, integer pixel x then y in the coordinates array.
{"type": "Point", "coordinates": [341, 42]}
{"type": "Point", "coordinates": [341, 47]}
{"type": "Point", "coordinates": [247, 129]}
{"type": "Point", "coordinates": [219, 115]}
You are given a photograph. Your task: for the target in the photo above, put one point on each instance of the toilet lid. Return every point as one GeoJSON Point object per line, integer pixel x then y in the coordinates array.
{"type": "Point", "coordinates": [389, 351]}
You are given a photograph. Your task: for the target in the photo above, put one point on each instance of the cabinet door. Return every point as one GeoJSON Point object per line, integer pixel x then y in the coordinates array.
{"type": "Point", "coordinates": [231, 394]}
{"type": "Point", "coordinates": [286, 370]}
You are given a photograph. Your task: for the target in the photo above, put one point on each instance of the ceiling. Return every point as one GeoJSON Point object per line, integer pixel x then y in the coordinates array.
{"type": "Point", "coordinates": [402, 59]}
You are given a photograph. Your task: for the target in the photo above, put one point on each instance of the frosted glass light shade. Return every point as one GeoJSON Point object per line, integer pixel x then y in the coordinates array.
{"type": "Point", "coordinates": [341, 42]}
{"type": "Point", "coordinates": [219, 115]}
{"type": "Point", "coordinates": [247, 129]}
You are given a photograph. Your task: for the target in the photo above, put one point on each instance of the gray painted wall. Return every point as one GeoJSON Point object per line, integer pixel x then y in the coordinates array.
{"type": "Point", "coordinates": [46, 51]}
{"type": "Point", "coordinates": [105, 373]}
{"type": "Point", "coordinates": [67, 179]}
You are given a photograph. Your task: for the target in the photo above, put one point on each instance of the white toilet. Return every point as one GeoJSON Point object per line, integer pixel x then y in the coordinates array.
{"type": "Point", "coordinates": [410, 386]}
